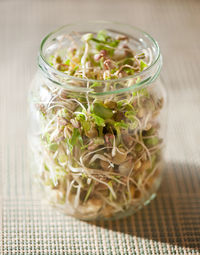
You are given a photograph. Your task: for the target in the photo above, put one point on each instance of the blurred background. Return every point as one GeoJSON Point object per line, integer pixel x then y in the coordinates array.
{"type": "Point", "coordinates": [175, 24]}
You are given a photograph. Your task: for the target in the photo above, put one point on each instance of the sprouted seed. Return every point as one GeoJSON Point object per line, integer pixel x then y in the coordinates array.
{"type": "Point", "coordinates": [99, 156]}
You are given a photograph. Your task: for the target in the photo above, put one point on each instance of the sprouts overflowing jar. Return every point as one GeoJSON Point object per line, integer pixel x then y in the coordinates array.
{"type": "Point", "coordinates": [96, 119]}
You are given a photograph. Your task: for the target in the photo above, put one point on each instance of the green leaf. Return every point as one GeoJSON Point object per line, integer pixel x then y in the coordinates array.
{"type": "Point", "coordinates": [67, 62]}
{"type": "Point", "coordinates": [86, 125]}
{"type": "Point", "coordinates": [121, 124]}
{"type": "Point", "coordinates": [75, 136]}
{"type": "Point", "coordinates": [80, 117]}
{"type": "Point", "coordinates": [98, 120]}
{"type": "Point", "coordinates": [53, 147]}
{"type": "Point", "coordinates": [51, 58]}
{"type": "Point", "coordinates": [114, 43]}
{"type": "Point", "coordinates": [80, 140]}
{"type": "Point", "coordinates": [102, 111]}
{"type": "Point", "coordinates": [142, 65]}
{"type": "Point", "coordinates": [69, 145]}
{"type": "Point", "coordinates": [102, 35]}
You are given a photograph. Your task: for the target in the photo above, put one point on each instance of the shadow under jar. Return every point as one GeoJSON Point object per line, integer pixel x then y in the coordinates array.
{"type": "Point", "coordinates": [96, 145]}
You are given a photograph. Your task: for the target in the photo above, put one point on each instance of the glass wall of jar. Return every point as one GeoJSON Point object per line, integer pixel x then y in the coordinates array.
{"type": "Point", "coordinates": [96, 145]}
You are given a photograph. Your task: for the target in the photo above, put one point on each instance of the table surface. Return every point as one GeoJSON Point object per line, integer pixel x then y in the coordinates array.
{"type": "Point", "coordinates": [171, 223]}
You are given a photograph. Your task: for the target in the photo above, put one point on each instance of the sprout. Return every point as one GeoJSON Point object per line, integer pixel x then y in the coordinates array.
{"type": "Point", "coordinates": [101, 57]}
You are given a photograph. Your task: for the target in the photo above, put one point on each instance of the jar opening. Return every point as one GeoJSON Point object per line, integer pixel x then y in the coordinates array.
{"type": "Point", "coordinates": [139, 39]}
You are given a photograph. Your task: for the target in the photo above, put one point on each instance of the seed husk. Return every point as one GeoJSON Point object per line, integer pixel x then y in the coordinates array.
{"type": "Point", "coordinates": [120, 156]}
{"type": "Point", "coordinates": [106, 165]}
{"type": "Point", "coordinates": [92, 133]}
{"type": "Point", "coordinates": [110, 104]}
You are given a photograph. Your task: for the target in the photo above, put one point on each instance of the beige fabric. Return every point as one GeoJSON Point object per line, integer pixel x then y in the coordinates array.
{"type": "Point", "coordinates": [171, 223]}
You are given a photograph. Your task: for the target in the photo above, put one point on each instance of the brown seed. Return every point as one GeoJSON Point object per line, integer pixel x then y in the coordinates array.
{"type": "Point", "coordinates": [98, 56]}
{"type": "Point", "coordinates": [110, 104]}
{"type": "Point", "coordinates": [144, 157]}
{"type": "Point", "coordinates": [128, 140]}
{"type": "Point", "coordinates": [105, 165]}
{"type": "Point", "coordinates": [141, 113]}
{"type": "Point", "coordinates": [92, 133]}
{"type": "Point", "coordinates": [103, 53]}
{"type": "Point", "coordinates": [145, 165]}
{"type": "Point", "coordinates": [109, 64]}
{"type": "Point", "coordinates": [58, 60]}
{"type": "Point", "coordinates": [148, 126]}
{"type": "Point", "coordinates": [155, 114]}
{"type": "Point", "coordinates": [138, 164]}
{"type": "Point", "coordinates": [122, 74]}
{"type": "Point", "coordinates": [62, 67]}
{"type": "Point", "coordinates": [118, 116]}
{"type": "Point", "coordinates": [125, 167]}
{"type": "Point", "coordinates": [72, 50]}
{"type": "Point", "coordinates": [41, 108]}
{"type": "Point", "coordinates": [92, 147]}
{"type": "Point", "coordinates": [91, 206]}
{"type": "Point", "coordinates": [120, 156]}
{"type": "Point", "coordinates": [128, 51]}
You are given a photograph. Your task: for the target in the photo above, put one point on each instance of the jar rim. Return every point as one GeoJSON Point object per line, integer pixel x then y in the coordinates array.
{"type": "Point", "coordinates": [44, 62]}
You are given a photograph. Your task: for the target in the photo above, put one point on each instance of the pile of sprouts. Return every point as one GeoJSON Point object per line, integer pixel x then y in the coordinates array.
{"type": "Point", "coordinates": [98, 156]}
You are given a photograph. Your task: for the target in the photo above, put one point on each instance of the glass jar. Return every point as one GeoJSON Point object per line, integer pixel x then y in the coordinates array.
{"type": "Point", "coordinates": [96, 145]}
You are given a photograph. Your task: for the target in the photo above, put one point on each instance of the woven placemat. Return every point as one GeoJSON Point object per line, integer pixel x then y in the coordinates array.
{"type": "Point", "coordinates": [171, 223]}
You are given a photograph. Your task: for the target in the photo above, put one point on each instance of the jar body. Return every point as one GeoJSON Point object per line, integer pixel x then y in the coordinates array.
{"type": "Point", "coordinates": [96, 155]}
